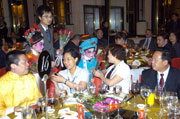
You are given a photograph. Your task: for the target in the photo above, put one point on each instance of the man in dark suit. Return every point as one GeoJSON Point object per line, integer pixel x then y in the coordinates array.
{"type": "Point", "coordinates": [162, 74]}
{"type": "Point", "coordinates": [162, 41]}
{"type": "Point", "coordinates": [45, 17]}
{"type": "Point", "coordinates": [148, 42]}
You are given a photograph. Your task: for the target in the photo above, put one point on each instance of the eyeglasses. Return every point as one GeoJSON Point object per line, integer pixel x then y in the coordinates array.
{"type": "Point", "coordinates": [48, 17]}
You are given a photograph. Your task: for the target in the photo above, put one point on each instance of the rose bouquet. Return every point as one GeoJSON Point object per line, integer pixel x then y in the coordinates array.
{"type": "Point", "coordinates": [64, 37]}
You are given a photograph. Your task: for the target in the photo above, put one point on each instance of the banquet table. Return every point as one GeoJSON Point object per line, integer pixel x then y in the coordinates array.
{"type": "Point", "coordinates": [151, 113]}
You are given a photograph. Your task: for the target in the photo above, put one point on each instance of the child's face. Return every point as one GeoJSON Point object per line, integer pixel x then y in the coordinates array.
{"type": "Point", "coordinates": [39, 46]}
{"type": "Point", "coordinates": [90, 52]}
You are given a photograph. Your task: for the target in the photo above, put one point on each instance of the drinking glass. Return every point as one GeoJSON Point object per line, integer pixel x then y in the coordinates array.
{"type": "Point", "coordinates": [103, 89]}
{"type": "Point", "coordinates": [92, 90]}
{"type": "Point", "coordinates": [42, 104]}
{"type": "Point", "coordinates": [117, 90]}
{"type": "Point", "coordinates": [161, 97]}
{"type": "Point", "coordinates": [171, 105]}
{"type": "Point", "coordinates": [135, 90]}
{"type": "Point", "coordinates": [145, 92]}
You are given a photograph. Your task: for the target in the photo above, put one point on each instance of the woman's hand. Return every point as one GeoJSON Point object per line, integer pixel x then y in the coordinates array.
{"type": "Point", "coordinates": [97, 73]}
{"type": "Point", "coordinates": [57, 78]}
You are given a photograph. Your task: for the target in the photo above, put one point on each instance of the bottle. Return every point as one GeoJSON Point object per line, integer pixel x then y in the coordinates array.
{"type": "Point", "coordinates": [80, 112]}
{"type": "Point", "coordinates": [141, 114]}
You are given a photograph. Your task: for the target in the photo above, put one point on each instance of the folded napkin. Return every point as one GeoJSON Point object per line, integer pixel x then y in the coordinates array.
{"type": "Point", "coordinates": [136, 63]}
{"type": "Point", "coordinates": [68, 114]}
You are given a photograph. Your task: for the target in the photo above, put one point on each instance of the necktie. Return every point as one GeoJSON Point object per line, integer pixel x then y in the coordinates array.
{"type": "Point", "coordinates": [146, 43]}
{"type": "Point", "coordinates": [161, 83]}
{"type": "Point", "coordinates": [48, 33]}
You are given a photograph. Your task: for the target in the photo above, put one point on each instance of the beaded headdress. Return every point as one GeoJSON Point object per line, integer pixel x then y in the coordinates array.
{"type": "Point", "coordinates": [33, 35]}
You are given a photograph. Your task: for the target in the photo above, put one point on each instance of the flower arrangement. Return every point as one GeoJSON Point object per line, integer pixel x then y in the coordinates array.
{"type": "Point", "coordinates": [108, 105]}
{"type": "Point", "coordinates": [64, 36]}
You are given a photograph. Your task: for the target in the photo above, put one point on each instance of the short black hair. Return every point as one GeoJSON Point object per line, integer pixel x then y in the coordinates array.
{"type": "Point", "coordinates": [166, 55]}
{"type": "Point", "coordinates": [76, 36]}
{"type": "Point", "coordinates": [177, 34]}
{"type": "Point", "coordinates": [164, 35]}
{"type": "Point", "coordinates": [118, 51]}
{"type": "Point", "coordinates": [176, 14]}
{"type": "Point", "coordinates": [13, 58]}
{"type": "Point", "coordinates": [74, 53]}
{"type": "Point", "coordinates": [41, 10]}
{"type": "Point", "coordinates": [120, 35]}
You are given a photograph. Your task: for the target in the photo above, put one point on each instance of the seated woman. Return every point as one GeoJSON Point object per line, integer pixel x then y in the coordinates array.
{"type": "Point", "coordinates": [175, 40]}
{"type": "Point", "coordinates": [73, 77]}
{"type": "Point", "coordinates": [119, 72]}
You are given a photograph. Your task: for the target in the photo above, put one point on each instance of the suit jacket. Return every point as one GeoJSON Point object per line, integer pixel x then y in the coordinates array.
{"type": "Point", "coordinates": [48, 44]}
{"type": "Point", "coordinates": [171, 50]}
{"type": "Point", "coordinates": [152, 45]}
{"type": "Point", "coordinates": [149, 78]}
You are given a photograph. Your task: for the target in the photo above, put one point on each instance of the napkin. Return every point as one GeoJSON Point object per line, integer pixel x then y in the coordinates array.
{"type": "Point", "coordinates": [68, 114]}
{"type": "Point", "coordinates": [136, 63]}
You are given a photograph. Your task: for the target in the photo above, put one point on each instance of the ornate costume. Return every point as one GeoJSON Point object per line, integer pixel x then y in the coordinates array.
{"type": "Point", "coordinates": [87, 62]}
{"type": "Point", "coordinates": [17, 90]}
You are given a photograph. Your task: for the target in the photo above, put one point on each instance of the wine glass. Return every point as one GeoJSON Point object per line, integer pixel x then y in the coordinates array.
{"type": "Point", "coordinates": [117, 90]}
{"type": "Point", "coordinates": [135, 90]}
{"type": "Point", "coordinates": [63, 95]}
{"type": "Point", "coordinates": [103, 89]}
{"type": "Point", "coordinates": [145, 92]}
{"type": "Point", "coordinates": [161, 97]}
{"type": "Point", "coordinates": [92, 90]}
{"type": "Point", "coordinates": [171, 105]}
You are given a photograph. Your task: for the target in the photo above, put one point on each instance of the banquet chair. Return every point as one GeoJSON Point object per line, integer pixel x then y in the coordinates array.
{"type": "Point", "coordinates": [2, 71]}
{"type": "Point", "coordinates": [175, 63]}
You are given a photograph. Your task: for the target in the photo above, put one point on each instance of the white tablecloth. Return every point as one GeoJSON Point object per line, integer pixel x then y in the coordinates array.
{"type": "Point", "coordinates": [136, 72]}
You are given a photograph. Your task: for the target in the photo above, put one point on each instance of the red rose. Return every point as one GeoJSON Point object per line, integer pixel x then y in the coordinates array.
{"type": "Point", "coordinates": [31, 40]}
{"type": "Point", "coordinates": [60, 32]}
{"type": "Point", "coordinates": [26, 33]}
{"type": "Point", "coordinates": [35, 26]}
{"type": "Point", "coordinates": [31, 29]}
{"type": "Point", "coordinates": [66, 31]}
{"type": "Point", "coordinates": [70, 33]}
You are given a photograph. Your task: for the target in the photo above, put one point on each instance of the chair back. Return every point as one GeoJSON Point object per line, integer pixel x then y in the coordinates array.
{"type": "Point", "coordinates": [175, 63]}
{"type": "Point", "coordinates": [2, 71]}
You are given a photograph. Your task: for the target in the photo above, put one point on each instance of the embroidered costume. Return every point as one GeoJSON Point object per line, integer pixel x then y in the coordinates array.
{"type": "Point", "coordinates": [88, 50]}
{"type": "Point", "coordinates": [17, 90]}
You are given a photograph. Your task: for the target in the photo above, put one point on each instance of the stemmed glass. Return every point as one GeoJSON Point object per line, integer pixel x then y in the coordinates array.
{"type": "Point", "coordinates": [145, 92]}
{"type": "Point", "coordinates": [161, 96]}
{"type": "Point", "coordinates": [117, 90]}
{"type": "Point", "coordinates": [135, 90]}
{"type": "Point", "coordinates": [171, 104]}
{"type": "Point", "coordinates": [103, 89]}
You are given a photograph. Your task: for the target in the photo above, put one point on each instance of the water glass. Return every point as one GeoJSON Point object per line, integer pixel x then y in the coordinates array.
{"type": "Point", "coordinates": [135, 90]}
{"type": "Point", "coordinates": [117, 90]}
{"type": "Point", "coordinates": [145, 92]}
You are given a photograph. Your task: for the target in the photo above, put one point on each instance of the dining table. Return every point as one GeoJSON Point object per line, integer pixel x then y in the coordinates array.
{"type": "Point", "coordinates": [127, 111]}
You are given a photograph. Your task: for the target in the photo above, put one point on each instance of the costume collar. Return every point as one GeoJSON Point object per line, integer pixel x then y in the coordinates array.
{"type": "Point", "coordinates": [34, 52]}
